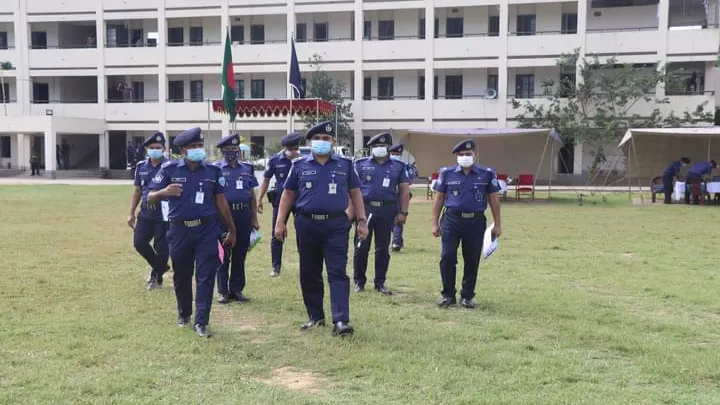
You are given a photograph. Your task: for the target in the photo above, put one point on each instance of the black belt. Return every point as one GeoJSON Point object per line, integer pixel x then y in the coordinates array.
{"type": "Point", "coordinates": [374, 203]}
{"type": "Point", "coordinates": [190, 223]}
{"type": "Point", "coordinates": [239, 206]}
{"type": "Point", "coordinates": [464, 214]}
{"type": "Point", "coordinates": [323, 216]}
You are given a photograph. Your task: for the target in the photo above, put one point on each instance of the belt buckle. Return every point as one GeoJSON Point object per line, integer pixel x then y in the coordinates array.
{"type": "Point", "coordinates": [193, 223]}
{"type": "Point", "coordinates": [376, 203]}
{"type": "Point", "coordinates": [467, 214]}
{"type": "Point", "coordinates": [320, 217]}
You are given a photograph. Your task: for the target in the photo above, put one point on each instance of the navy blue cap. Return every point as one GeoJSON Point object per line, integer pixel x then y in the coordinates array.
{"type": "Point", "coordinates": [467, 144]}
{"type": "Point", "coordinates": [397, 148]}
{"type": "Point", "coordinates": [291, 140]}
{"type": "Point", "coordinates": [323, 128]}
{"type": "Point", "coordinates": [380, 139]}
{"type": "Point", "coordinates": [229, 140]}
{"type": "Point", "coordinates": [157, 137]}
{"type": "Point", "coordinates": [192, 135]}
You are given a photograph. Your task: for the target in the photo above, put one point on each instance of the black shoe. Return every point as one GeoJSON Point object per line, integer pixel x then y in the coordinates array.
{"type": "Point", "coordinates": [225, 298]}
{"type": "Point", "coordinates": [359, 287]}
{"type": "Point", "coordinates": [467, 302]}
{"type": "Point", "coordinates": [312, 324]}
{"type": "Point", "coordinates": [342, 329]}
{"type": "Point", "coordinates": [182, 322]}
{"type": "Point", "coordinates": [445, 302]}
{"type": "Point", "coordinates": [382, 289]}
{"type": "Point", "coordinates": [239, 297]}
{"type": "Point", "coordinates": [202, 331]}
{"type": "Point", "coordinates": [275, 273]}
{"type": "Point", "coordinates": [396, 248]}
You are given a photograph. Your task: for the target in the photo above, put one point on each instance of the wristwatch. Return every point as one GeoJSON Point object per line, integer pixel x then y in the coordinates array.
{"type": "Point", "coordinates": [404, 213]}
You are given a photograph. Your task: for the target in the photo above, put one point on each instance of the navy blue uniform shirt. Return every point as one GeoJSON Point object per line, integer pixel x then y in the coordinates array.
{"type": "Point", "coordinates": [278, 166]}
{"type": "Point", "coordinates": [466, 192]}
{"type": "Point", "coordinates": [674, 168]}
{"type": "Point", "coordinates": [322, 188]}
{"type": "Point", "coordinates": [144, 173]}
{"type": "Point", "coordinates": [701, 168]}
{"type": "Point", "coordinates": [239, 181]}
{"type": "Point", "coordinates": [379, 182]}
{"type": "Point", "coordinates": [199, 188]}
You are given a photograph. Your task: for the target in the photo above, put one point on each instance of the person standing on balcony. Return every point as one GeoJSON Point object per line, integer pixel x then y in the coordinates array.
{"type": "Point", "coordinates": [386, 193]}
{"type": "Point", "coordinates": [670, 173]}
{"type": "Point", "coordinates": [278, 166]}
{"type": "Point", "coordinates": [149, 224]}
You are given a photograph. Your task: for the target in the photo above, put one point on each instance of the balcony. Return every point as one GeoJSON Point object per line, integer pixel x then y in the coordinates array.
{"type": "Point", "coordinates": [128, 57]}
{"type": "Point", "coordinates": [258, 39]}
{"type": "Point", "coordinates": [60, 7]}
{"type": "Point", "coordinates": [394, 50]}
{"type": "Point", "coordinates": [335, 50]}
{"type": "Point", "coordinates": [87, 58]}
{"type": "Point", "coordinates": [193, 41]}
{"type": "Point", "coordinates": [536, 100]}
{"type": "Point", "coordinates": [395, 110]}
{"type": "Point", "coordinates": [626, 41]}
{"type": "Point", "coordinates": [61, 45]}
{"type": "Point", "coordinates": [195, 55]}
{"type": "Point", "coordinates": [139, 111]}
{"type": "Point", "coordinates": [542, 43]}
{"type": "Point", "coordinates": [69, 96]}
{"type": "Point", "coordinates": [68, 109]}
{"type": "Point", "coordinates": [187, 111]}
{"type": "Point", "coordinates": [693, 40]}
{"type": "Point", "coordinates": [468, 108]}
{"type": "Point", "coordinates": [117, 5]}
{"type": "Point", "coordinates": [9, 55]}
{"type": "Point", "coordinates": [482, 47]}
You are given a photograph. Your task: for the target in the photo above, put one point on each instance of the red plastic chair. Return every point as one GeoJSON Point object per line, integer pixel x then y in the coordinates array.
{"type": "Point", "coordinates": [525, 185]}
{"type": "Point", "coordinates": [697, 192]}
{"type": "Point", "coordinates": [431, 179]}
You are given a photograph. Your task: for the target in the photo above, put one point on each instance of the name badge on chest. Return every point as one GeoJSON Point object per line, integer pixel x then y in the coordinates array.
{"type": "Point", "coordinates": [332, 188]}
{"type": "Point", "coordinates": [238, 184]}
{"type": "Point", "coordinates": [199, 196]}
{"type": "Point", "coordinates": [386, 182]}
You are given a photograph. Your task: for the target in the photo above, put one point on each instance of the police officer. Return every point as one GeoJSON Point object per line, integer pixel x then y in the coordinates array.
{"type": "Point", "coordinates": [386, 192]}
{"type": "Point", "coordinates": [319, 186]}
{"type": "Point", "coordinates": [670, 173]}
{"type": "Point", "coordinates": [464, 190]}
{"type": "Point", "coordinates": [278, 166]}
{"type": "Point", "coordinates": [396, 152]}
{"type": "Point", "coordinates": [698, 172]}
{"type": "Point", "coordinates": [149, 224]}
{"type": "Point", "coordinates": [240, 193]}
{"type": "Point", "coordinates": [195, 193]}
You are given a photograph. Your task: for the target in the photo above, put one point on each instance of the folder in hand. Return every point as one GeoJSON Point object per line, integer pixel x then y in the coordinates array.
{"type": "Point", "coordinates": [490, 242]}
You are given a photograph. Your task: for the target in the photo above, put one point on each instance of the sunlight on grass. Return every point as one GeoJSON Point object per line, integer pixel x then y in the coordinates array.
{"type": "Point", "coordinates": [605, 303]}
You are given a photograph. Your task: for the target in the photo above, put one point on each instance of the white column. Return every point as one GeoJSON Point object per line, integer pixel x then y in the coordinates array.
{"type": "Point", "coordinates": [502, 97]}
{"type": "Point", "coordinates": [663, 26]}
{"type": "Point", "coordinates": [104, 149]}
{"type": "Point", "coordinates": [100, 40]}
{"type": "Point", "coordinates": [50, 142]}
{"type": "Point", "coordinates": [22, 37]}
{"type": "Point", "coordinates": [578, 153]}
{"type": "Point", "coordinates": [582, 31]}
{"type": "Point", "coordinates": [162, 67]}
{"type": "Point", "coordinates": [359, 77]}
{"type": "Point", "coordinates": [16, 147]}
{"type": "Point", "coordinates": [26, 150]}
{"type": "Point", "coordinates": [429, 61]}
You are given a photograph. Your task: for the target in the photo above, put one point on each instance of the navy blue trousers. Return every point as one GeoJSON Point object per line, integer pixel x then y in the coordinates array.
{"type": "Point", "coordinates": [380, 227]}
{"type": "Point", "coordinates": [194, 250]}
{"type": "Point", "coordinates": [397, 235]}
{"type": "Point", "coordinates": [234, 262]}
{"type": "Point", "coordinates": [668, 187]}
{"type": "Point", "coordinates": [469, 232]}
{"type": "Point", "coordinates": [147, 230]}
{"type": "Point", "coordinates": [324, 241]}
{"type": "Point", "coordinates": [276, 246]}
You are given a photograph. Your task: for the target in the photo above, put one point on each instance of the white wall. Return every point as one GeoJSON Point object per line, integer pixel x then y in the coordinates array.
{"type": "Point", "coordinates": [52, 33]}
{"type": "Point", "coordinates": [339, 24]}
{"type": "Point", "coordinates": [275, 26]}
{"type": "Point", "coordinates": [475, 19]}
{"type": "Point", "coordinates": [541, 74]}
{"type": "Point", "coordinates": [12, 87]}
{"type": "Point", "coordinates": [150, 85]}
{"type": "Point", "coordinates": [211, 85]}
{"type": "Point", "coordinates": [406, 21]}
{"type": "Point", "coordinates": [474, 81]}
{"type": "Point", "coordinates": [404, 83]}
{"type": "Point", "coordinates": [622, 18]}
{"type": "Point", "coordinates": [212, 33]}
{"type": "Point", "coordinates": [9, 28]}
{"type": "Point", "coordinates": [548, 16]}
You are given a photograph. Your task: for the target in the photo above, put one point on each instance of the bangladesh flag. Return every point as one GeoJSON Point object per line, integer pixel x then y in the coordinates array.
{"type": "Point", "coordinates": [228, 80]}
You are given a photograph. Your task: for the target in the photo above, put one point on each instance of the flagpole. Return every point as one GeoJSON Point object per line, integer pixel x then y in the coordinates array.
{"type": "Point", "coordinates": [208, 108]}
{"type": "Point", "coordinates": [292, 91]}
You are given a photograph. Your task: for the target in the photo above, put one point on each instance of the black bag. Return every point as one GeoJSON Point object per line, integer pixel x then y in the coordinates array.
{"type": "Point", "coordinates": [271, 194]}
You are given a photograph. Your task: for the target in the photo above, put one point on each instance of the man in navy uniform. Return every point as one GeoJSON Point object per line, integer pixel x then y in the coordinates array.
{"type": "Point", "coordinates": [700, 171]}
{"type": "Point", "coordinates": [464, 190]}
{"type": "Point", "coordinates": [319, 186]}
{"type": "Point", "coordinates": [386, 192]}
{"type": "Point", "coordinates": [278, 166]}
{"type": "Point", "coordinates": [396, 152]}
{"type": "Point", "coordinates": [671, 172]}
{"type": "Point", "coordinates": [195, 193]}
{"type": "Point", "coordinates": [149, 223]}
{"type": "Point", "coordinates": [240, 193]}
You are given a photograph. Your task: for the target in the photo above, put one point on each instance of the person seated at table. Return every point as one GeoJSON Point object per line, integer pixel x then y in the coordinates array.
{"type": "Point", "coordinates": [670, 174]}
{"type": "Point", "coordinates": [698, 172]}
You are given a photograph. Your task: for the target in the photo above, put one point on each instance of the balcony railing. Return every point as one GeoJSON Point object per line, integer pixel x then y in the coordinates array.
{"type": "Point", "coordinates": [137, 45]}
{"type": "Point", "coordinates": [533, 33]}
{"type": "Point", "coordinates": [632, 29]}
{"type": "Point", "coordinates": [392, 97]}
{"type": "Point", "coordinates": [199, 99]}
{"type": "Point", "coordinates": [65, 46]}
{"type": "Point", "coordinates": [65, 100]}
{"type": "Point", "coordinates": [195, 43]}
{"type": "Point", "coordinates": [390, 37]}
{"type": "Point", "coordinates": [132, 100]}
{"type": "Point", "coordinates": [464, 97]}
{"type": "Point", "coordinates": [690, 93]}
{"type": "Point", "coordinates": [256, 42]}
{"type": "Point", "coordinates": [329, 39]}
{"type": "Point", "coordinates": [468, 35]}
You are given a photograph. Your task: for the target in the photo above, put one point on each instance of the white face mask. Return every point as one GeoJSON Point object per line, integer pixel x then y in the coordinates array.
{"type": "Point", "coordinates": [379, 151]}
{"type": "Point", "coordinates": [465, 161]}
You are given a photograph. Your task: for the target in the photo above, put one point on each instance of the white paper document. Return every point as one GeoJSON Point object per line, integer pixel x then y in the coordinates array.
{"type": "Point", "coordinates": [165, 207]}
{"type": "Point", "coordinates": [490, 243]}
{"type": "Point", "coordinates": [255, 237]}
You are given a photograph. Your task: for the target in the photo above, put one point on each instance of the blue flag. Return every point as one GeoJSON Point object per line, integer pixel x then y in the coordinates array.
{"type": "Point", "coordinates": [295, 79]}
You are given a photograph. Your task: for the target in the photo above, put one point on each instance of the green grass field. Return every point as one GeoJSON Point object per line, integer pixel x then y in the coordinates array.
{"type": "Point", "coordinates": [599, 304]}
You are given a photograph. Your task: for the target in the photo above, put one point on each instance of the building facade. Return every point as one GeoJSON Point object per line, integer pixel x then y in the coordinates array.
{"type": "Point", "coordinates": [147, 65]}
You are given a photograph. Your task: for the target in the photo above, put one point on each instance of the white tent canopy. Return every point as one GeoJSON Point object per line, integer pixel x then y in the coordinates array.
{"type": "Point", "coordinates": [707, 132]}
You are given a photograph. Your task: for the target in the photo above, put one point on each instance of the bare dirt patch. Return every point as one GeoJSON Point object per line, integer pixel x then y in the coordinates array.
{"type": "Point", "coordinates": [296, 380]}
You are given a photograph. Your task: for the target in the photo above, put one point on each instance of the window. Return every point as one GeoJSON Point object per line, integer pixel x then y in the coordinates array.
{"type": "Point", "coordinates": [237, 33]}
{"type": "Point", "coordinates": [421, 28]}
{"type": "Point", "coordinates": [454, 27]}
{"type": "Point", "coordinates": [526, 24]}
{"type": "Point", "coordinates": [5, 93]}
{"type": "Point", "coordinates": [176, 91]}
{"type": "Point", "coordinates": [239, 89]}
{"type": "Point", "coordinates": [566, 86]}
{"type": "Point", "coordinates": [41, 93]}
{"type": "Point", "coordinates": [421, 87]}
{"type": "Point", "coordinates": [494, 26]}
{"type": "Point", "coordinates": [257, 34]}
{"type": "Point", "coordinates": [453, 87]}
{"type": "Point", "coordinates": [4, 146]}
{"type": "Point", "coordinates": [196, 90]}
{"type": "Point", "coordinates": [257, 146]}
{"type": "Point", "coordinates": [321, 32]}
{"type": "Point", "coordinates": [38, 40]}
{"type": "Point", "coordinates": [3, 40]}
{"type": "Point", "coordinates": [386, 88]}
{"type": "Point", "coordinates": [569, 23]}
{"type": "Point", "coordinates": [386, 29]}
{"type": "Point", "coordinates": [367, 88]}
{"type": "Point", "coordinates": [367, 30]}
{"type": "Point", "coordinates": [436, 87]}
{"type": "Point", "coordinates": [437, 28]}
{"type": "Point", "coordinates": [300, 33]}
{"type": "Point", "coordinates": [524, 86]}
{"type": "Point", "coordinates": [492, 82]}
{"type": "Point", "coordinates": [257, 88]}
{"type": "Point", "coordinates": [138, 91]}
{"type": "Point", "coordinates": [175, 36]}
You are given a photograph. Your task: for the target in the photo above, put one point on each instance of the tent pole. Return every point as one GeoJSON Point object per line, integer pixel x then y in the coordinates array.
{"type": "Point", "coordinates": [552, 154]}
{"type": "Point", "coordinates": [708, 154]}
{"type": "Point", "coordinates": [542, 157]}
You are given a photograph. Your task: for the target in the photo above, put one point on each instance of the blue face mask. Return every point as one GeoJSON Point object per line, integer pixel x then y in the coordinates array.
{"type": "Point", "coordinates": [196, 155]}
{"type": "Point", "coordinates": [155, 153]}
{"type": "Point", "coordinates": [321, 148]}
{"type": "Point", "coordinates": [230, 155]}
{"type": "Point", "coordinates": [396, 157]}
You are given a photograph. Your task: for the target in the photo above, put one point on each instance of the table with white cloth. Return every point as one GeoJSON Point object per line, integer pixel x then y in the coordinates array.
{"type": "Point", "coordinates": [503, 186]}
{"type": "Point", "coordinates": [679, 189]}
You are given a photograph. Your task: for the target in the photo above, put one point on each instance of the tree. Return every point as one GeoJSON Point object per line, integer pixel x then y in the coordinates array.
{"type": "Point", "coordinates": [599, 107]}
{"type": "Point", "coordinates": [321, 85]}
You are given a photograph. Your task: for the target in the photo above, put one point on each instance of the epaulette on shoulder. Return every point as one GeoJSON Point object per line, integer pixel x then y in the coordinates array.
{"type": "Point", "coordinates": [169, 163]}
{"type": "Point", "coordinates": [298, 159]}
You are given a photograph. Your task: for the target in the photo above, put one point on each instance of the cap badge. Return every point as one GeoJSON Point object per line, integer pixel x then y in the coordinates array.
{"type": "Point", "coordinates": [234, 141]}
{"type": "Point", "coordinates": [158, 138]}
{"type": "Point", "coordinates": [201, 136]}
{"type": "Point", "coordinates": [328, 128]}
{"type": "Point", "coordinates": [467, 145]}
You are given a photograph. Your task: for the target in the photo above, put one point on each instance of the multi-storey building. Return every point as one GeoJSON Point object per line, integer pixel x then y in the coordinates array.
{"type": "Point", "coordinates": [94, 74]}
